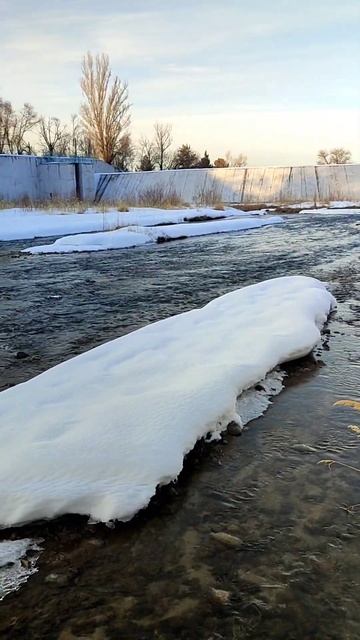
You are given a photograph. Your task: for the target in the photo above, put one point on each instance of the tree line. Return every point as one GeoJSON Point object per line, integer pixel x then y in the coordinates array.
{"type": "Point", "coordinates": [102, 130]}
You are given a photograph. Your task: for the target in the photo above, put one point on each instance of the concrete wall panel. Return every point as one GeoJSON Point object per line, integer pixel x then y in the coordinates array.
{"type": "Point", "coordinates": [56, 180]}
{"type": "Point", "coordinates": [18, 177]}
{"type": "Point", "coordinates": [40, 178]}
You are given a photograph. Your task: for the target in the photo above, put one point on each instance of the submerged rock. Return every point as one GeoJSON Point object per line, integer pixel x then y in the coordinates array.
{"type": "Point", "coordinates": [226, 539]}
{"type": "Point", "coordinates": [220, 596]}
{"type": "Point", "coordinates": [304, 448]}
{"type": "Point", "coordinates": [20, 355]}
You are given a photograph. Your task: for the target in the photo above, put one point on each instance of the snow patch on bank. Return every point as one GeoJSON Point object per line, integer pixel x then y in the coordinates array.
{"type": "Point", "coordinates": [135, 236]}
{"type": "Point", "coordinates": [19, 224]}
{"type": "Point", "coordinates": [98, 433]}
{"type": "Point", "coordinates": [17, 563]}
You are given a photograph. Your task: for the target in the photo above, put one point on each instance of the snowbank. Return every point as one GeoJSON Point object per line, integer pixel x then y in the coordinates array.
{"type": "Point", "coordinates": [18, 224]}
{"type": "Point", "coordinates": [135, 236]}
{"type": "Point", "coordinates": [332, 211]}
{"type": "Point", "coordinates": [97, 434]}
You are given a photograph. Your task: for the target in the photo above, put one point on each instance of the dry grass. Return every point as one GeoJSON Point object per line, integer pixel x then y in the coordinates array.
{"type": "Point", "coordinates": [156, 197]}
{"type": "Point", "coordinates": [55, 204]}
{"type": "Point", "coordinates": [7, 204]}
{"type": "Point", "coordinates": [153, 197]}
{"type": "Point", "coordinates": [210, 197]}
{"type": "Point", "coordinates": [159, 197]}
{"type": "Point", "coordinates": [123, 207]}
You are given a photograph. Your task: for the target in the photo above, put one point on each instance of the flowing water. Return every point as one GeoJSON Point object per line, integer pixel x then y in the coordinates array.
{"type": "Point", "coordinates": [285, 564]}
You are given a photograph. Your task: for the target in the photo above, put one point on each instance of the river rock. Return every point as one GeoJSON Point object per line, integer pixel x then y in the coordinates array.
{"type": "Point", "coordinates": [226, 539]}
{"type": "Point", "coordinates": [20, 355]}
{"type": "Point", "coordinates": [304, 448]}
{"type": "Point", "coordinates": [220, 596]}
{"type": "Point", "coordinates": [234, 429]}
{"type": "Point", "coordinates": [58, 579]}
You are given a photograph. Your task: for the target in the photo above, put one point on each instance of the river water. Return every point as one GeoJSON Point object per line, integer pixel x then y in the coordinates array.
{"type": "Point", "coordinates": [292, 570]}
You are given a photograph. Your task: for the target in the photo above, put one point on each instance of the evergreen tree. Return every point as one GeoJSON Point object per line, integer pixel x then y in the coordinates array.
{"type": "Point", "coordinates": [186, 158]}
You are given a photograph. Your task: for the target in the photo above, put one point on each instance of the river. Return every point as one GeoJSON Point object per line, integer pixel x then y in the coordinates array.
{"type": "Point", "coordinates": [291, 571]}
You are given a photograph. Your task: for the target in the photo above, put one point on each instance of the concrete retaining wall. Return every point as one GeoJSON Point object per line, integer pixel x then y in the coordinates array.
{"type": "Point", "coordinates": [248, 185]}
{"type": "Point", "coordinates": [40, 178]}
{"type": "Point", "coordinates": [45, 178]}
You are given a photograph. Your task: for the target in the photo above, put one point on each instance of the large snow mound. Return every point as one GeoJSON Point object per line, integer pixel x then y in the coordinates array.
{"type": "Point", "coordinates": [19, 224]}
{"type": "Point", "coordinates": [97, 434]}
{"type": "Point", "coordinates": [134, 236]}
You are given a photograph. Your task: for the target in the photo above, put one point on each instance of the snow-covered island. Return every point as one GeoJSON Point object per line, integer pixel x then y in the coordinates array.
{"type": "Point", "coordinates": [97, 434]}
{"type": "Point", "coordinates": [135, 236]}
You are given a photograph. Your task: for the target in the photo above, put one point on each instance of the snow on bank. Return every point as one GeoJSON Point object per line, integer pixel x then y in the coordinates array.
{"type": "Point", "coordinates": [342, 204]}
{"type": "Point", "coordinates": [136, 236]}
{"type": "Point", "coordinates": [19, 224]}
{"type": "Point", "coordinates": [332, 211]}
{"type": "Point", "coordinates": [97, 434]}
{"type": "Point", "coordinates": [310, 204]}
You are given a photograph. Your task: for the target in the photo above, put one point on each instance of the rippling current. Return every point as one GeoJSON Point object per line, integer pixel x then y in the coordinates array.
{"type": "Point", "coordinates": [291, 570]}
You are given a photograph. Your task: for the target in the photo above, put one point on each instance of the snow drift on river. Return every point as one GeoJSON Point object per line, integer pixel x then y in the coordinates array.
{"type": "Point", "coordinates": [136, 236]}
{"type": "Point", "coordinates": [97, 434]}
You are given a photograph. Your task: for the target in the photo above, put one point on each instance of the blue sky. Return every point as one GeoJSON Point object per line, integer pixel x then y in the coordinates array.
{"type": "Point", "coordinates": [274, 79]}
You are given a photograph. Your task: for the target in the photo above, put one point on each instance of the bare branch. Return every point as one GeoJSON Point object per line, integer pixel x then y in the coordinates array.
{"type": "Point", "coordinates": [54, 137]}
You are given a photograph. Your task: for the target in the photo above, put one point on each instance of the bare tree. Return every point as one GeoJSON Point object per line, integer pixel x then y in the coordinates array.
{"type": "Point", "coordinates": [75, 136]}
{"type": "Point", "coordinates": [323, 157]}
{"type": "Point", "coordinates": [22, 123]}
{"type": "Point", "coordinates": [125, 156]}
{"type": "Point", "coordinates": [54, 137]}
{"type": "Point", "coordinates": [105, 113]}
{"type": "Point", "coordinates": [147, 155]}
{"type": "Point", "coordinates": [240, 160]}
{"type": "Point", "coordinates": [14, 126]}
{"type": "Point", "coordinates": [6, 120]}
{"type": "Point", "coordinates": [162, 143]}
{"type": "Point", "coordinates": [338, 155]}
{"type": "Point", "coordinates": [235, 161]}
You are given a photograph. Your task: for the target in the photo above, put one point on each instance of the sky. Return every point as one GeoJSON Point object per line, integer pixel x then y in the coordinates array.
{"type": "Point", "coordinates": [274, 79]}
